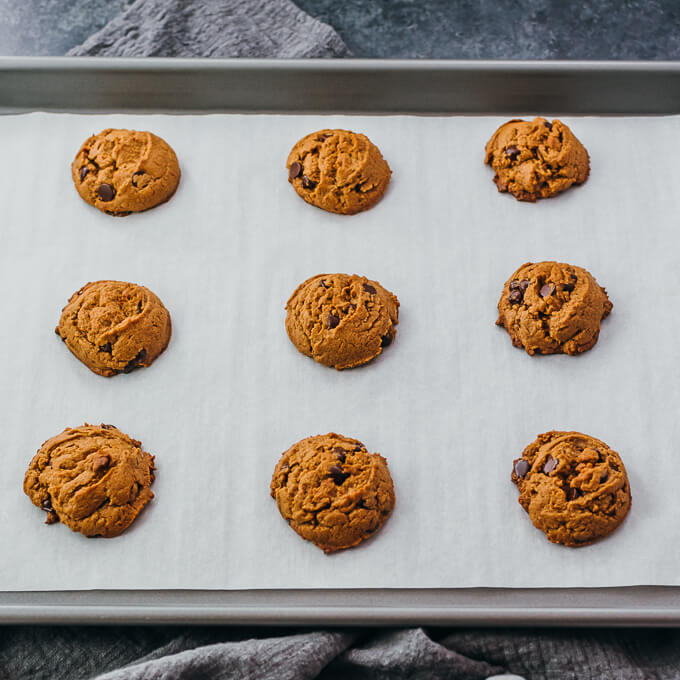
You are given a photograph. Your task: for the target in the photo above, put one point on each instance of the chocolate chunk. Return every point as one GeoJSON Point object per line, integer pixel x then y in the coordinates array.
{"type": "Point", "coordinates": [573, 494]}
{"type": "Point", "coordinates": [295, 170]}
{"type": "Point", "coordinates": [386, 340]}
{"type": "Point", "coordinates": [568, 287]}
{"type": "Point", "coordinates": [101, 463]}
{"type": "Point", "coordinates": [514, 285]}
{"type": "Point", "coordinates": [549, 465]}
{"type": "Point", "coordinates": [512, 152]}
{"type": "Point", "coordinates": [339, 454]}
{"type": "Point", "coordinates": [307, 183]}
{"type": "Point", "coordinates": [136, 362]}
{"type": "Point", "coordinates": [524, 284]}
{"type": "Point", "coordinates": [548, 124]}
{"type": "Point", "coordinates": [547, 290]}
{"type": "Point", "coordinates": [47, 505]}
{"type": "Point", "coordinates": [358, 448]}
{"type": "Point", "coordinates": [338, 474]}
{"type": "Point", "coordinates": [106, 192]}
{"type": "Point", "coordinates": [134, 177]}
{"type": "Point", "coordinates": [521, 467]}
{"type": "Point", "coordinates": [515, 297]}
{"type": "Point", "coordinates": [332, 320]}
{"type": "Point", "coordinates": [105, 347]}
{"type": "Point", "coordinates": [369, 289]}
{"type": "Point", "coordinates": [52, 517]}
{"type": "Point", "coordinates": [323, 283]}
{"type": "Point", "coordinates": [83, 172]}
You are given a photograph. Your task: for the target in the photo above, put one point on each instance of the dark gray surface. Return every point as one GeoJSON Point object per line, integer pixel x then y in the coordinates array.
{"type": "Point", "coordinates": [466, 29]}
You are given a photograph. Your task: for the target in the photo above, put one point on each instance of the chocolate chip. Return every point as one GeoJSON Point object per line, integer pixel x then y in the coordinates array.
{"type": "Point", "coordinates": [307, 183]}
{"type": "Point", "coordinates": [550, 465]}
{"type": "Point", "coordinates": [514, 285]}
{"type": "Point", "coordinates": [573, 494]}
{"type": "Point", "coordinates": [332, 320]}
{"type": "Point", "coordinates": [338, 474]}
{"type": "Point", "coordinates": [386, 340]}
{"type": "Point", "coordinates": [521, 467]}
{"type": "Point", "coordinates": [323, 283]}
{"type": "Point", "coordinates": [83, 172]}
{"type": "Point", "coordinates": [105, 348]}
{"type": "Point", "coordinates": [547, 290]}
{"type": "Point", "coordinates": [548, 124]}
{"type": "Point", "coordinates": [512, 152]}
{"type": "Point", "coordinates": [515, 297]}
{"type": "Point", "coordinates": [368, 288]}
{"type": "Point", "coordinates": [524, 284]}
{"type": "Point", "coordinates": [295, 170]}
{"type": "Point", "coordinates": [136, 362]}
{"type": "Point", "coordinates": [47, 505]}
{"type": "Point", "coordinates": [568, 287]}
{"type": "Point", "coordinates": [106, 192]}
{"type": "Point", "coordinates": [101, 463]}
{"type": "Point", "coordinates": [134, 177]}
{"type": "Point", "coordinates": [358, 448]}
{"type": "Point", "coordinates": [52, 517]}
{"type": "Point", "coordinates": [339, 454]}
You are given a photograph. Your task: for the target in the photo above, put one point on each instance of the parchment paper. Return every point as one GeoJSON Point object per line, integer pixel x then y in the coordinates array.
{"type": "Point", "coordinates": [450, 404]}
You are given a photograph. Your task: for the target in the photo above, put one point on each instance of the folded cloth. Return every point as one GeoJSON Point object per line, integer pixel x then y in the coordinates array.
{"type": "Point", "coordinates": [213, 28]}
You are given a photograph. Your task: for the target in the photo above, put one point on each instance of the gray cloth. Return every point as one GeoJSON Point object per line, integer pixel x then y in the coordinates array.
{"type": "Point", "coordinates": [229, 653]}
{"type": "Point", "coordinates": [213, 28]}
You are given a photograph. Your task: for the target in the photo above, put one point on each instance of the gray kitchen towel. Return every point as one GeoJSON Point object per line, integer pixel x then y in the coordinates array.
{"type": "Point", "coordinates": [213, 28]}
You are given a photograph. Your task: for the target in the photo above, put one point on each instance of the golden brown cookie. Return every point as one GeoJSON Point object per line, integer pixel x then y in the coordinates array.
{"type": "Point", "coordinates": [333, 492]}
{"type": "Point", "coordinates": [573, 486]}
{"type": "Point", "coordinates": [551, 307]}
{"type": "Point", "coordinates": [536, 159]}
{"type": "Point", "coordinates": [114, 327]}
{"type": "Point", "coordinates": [338, 170]}
{"type": "Point", "coordinates": [340, 320]}
{"type": "Point", "coordinates": [124, 171]}
{"type": "Point", "coordinates": [94, 479]}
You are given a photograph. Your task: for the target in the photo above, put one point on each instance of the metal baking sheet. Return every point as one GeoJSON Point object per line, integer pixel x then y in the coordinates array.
{"type": "Point", "coordinates": [373, 87]}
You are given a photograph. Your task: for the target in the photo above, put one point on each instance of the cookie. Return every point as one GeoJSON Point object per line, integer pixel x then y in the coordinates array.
{"type": "Point", "coordinates": [94, 479]}
{"type": "Point", "coordinates": [536, 159]}
{"type": "Point", "coordinates": [341, 321]}
{"type": "Point", "coordinates": [125, 171]}
{"type": "Point", "coordinates": [114, 327]}
{"type": "Point", "coordinates": [551, 307]}
{"type": "Point", "coordinates": [338, 170]}
{"type": "Point", "coordinates": [574, 487]}
{"type": "Point", "coordinates": [333, 492]}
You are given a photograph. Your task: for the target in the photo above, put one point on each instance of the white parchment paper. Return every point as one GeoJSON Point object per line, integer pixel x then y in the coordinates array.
{"type": "Point", "coordinates": [450, 404]}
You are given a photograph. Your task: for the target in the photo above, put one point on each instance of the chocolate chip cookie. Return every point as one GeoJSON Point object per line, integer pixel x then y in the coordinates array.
{"type": "Point", "coordinates": [574, 487]}
{"type": "Point", "coordinates": [333, 492]}
{"type": "Point", "coordinates": [114, 327]}
{"type": "Point", "coordinates": [341, 321]}
{"type": "Point", "coordinates": [536, 159]}
{"type": "Point", "coordinates": [551, 307]}
{"type": "Point", "coordinates": [125, 171]}
{"type": "Point", "coordinates": [338, 170]}
{"type": "Point", "coordinates": [94, 479]}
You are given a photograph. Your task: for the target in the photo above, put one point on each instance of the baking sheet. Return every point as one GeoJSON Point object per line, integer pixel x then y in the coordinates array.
{"type": "Point", "coordinates": [450, 403]}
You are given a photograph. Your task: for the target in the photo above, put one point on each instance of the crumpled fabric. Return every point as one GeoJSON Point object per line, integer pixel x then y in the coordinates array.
{"type": "Point", "coordinates": [213, 28]}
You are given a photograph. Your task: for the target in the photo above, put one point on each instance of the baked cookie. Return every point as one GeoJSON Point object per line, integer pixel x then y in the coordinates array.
{"type": "Point", "coordinates": [125, 171]}
{"type": "Point", "coordinates": [551, 307]}
{"type": "Point", "coordinates": [333, 492]}
{"type": "Point", "coordinates": [94, 479]}
{"type": "Point", "coordinates": [340, 320]}
{"type": "Point", "coordinates": [536, 159]}
{"type": "Point", "coordinates": [114, 327]}
{"type": "Point", "coordinates": [573, 486]}
{"type": "Point", "coordinates": [338, 170]}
